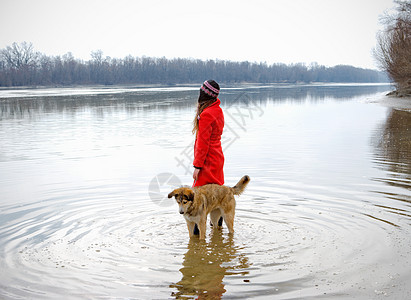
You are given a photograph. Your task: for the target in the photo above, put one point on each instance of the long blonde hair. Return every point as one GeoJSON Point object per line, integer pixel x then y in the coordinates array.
{"type": "Point", "coordinates": [200, 108]}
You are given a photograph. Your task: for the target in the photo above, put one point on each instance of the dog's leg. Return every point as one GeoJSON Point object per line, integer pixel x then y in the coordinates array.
{"type": "Point", "coordinates": [229, 213]}
{"type": "Point", "coordinates": [215, 216]}
{"type": "Point", "coordinates": [229, 221]}
{"type": "Point", "coordinates": [190, 226]}
{"type": "Point", "coordinates": [202, 226]}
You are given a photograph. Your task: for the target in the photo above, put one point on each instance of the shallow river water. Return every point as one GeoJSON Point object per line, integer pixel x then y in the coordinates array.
{"type": "Point", "coordinates": [84, 175]}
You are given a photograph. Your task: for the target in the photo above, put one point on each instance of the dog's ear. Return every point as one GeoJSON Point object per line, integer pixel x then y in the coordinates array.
{"type": "Point", "coordinates": [172, 194]}
{"type": "Point", "coordinates": [190, 195]}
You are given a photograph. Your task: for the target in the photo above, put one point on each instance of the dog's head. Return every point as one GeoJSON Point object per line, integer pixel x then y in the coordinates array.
{"type": "Point", "coordinates": [184, 197]}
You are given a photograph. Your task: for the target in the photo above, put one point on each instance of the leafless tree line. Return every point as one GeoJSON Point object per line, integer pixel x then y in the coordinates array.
{"type": "Point", "coordinates": [21, 65]}
{"type": "Point", "coordinates": [393, 50]}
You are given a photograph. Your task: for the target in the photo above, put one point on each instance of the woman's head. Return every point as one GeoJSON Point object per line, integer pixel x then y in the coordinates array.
{"type": "Point", "coordinates": [209, 91]}
{"type": "Point", "coordinates": [208, 95]}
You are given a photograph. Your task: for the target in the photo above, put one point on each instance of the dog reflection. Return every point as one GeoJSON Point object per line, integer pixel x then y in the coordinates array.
{"type": "Point", "coordinates": [206, 264]}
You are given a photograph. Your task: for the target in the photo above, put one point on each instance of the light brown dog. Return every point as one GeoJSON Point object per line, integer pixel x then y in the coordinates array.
{"type": "Point", "coordinates": [217, 200]}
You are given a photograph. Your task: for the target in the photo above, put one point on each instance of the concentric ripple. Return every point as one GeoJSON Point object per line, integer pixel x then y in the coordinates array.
{"type": "Point", "coordinates": [327, 213]}
{"type": "Point", "coordinates": [126, 247]}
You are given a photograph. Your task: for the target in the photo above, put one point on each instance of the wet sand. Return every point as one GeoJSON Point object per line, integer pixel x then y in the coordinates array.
{"type": "Point", "coordinates": [400, 103]}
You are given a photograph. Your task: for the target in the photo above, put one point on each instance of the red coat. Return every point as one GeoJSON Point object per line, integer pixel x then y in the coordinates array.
{"type": "Point", "coordinates": [208, 154]}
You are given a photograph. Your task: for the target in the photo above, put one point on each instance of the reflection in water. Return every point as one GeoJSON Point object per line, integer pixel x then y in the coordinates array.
{"type": "Point", "coordinates": [205, 265]}
{"type": "Point", "coordinates": [146, 99]}
{"type": "Point", "coordinates": [16, 108]}
{"type": "Point", "coordinates": [395, 143]}
{"type": "Point", "coordinates": [392, 144]}
{"type": "Point", "coordinates": [393, 149]}
{"type": "Point", "coordinates": [328, 214]}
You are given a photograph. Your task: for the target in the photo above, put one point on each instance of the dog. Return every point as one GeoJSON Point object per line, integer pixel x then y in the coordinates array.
{"type": "Point", "coordinates": [217, 200]}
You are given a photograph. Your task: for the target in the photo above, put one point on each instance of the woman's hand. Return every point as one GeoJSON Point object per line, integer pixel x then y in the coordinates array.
{"type": "Point", "coordinates": [195, 173]}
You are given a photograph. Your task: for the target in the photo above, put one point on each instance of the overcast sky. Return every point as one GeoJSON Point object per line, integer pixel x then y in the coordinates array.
{"type": "Point", "coordinates": [329, 32]}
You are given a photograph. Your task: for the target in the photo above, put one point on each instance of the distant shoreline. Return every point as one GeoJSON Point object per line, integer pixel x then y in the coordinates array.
{"type": "Point", "coordinates": [161, 85]}
{"type": "Point", "coordinates": [79, 90]}
{"type": "Point", "coordinates": [91, 86]}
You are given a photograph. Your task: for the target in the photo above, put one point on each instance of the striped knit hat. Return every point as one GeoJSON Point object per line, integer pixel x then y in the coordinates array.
{"type": "Point", "coordinates": [210, 89]}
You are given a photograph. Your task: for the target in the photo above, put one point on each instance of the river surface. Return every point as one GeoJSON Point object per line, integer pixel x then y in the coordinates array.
{"type": "Point", "coordinates": [84, 175]}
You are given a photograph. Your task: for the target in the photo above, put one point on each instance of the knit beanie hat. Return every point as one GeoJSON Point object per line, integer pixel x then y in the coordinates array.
{"type": "Point", "coordinates": [211, 88]}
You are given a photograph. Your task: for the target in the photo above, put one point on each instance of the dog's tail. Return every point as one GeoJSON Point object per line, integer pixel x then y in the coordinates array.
{"type": "Point", "coordinates": [240, 186]}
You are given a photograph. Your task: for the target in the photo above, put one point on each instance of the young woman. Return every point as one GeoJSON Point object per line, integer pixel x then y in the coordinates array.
{"type": "Point", "coordinates": [208, 128]}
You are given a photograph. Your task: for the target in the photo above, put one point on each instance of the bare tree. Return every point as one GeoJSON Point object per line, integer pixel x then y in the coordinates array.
{"type": "Point", "coordinates": [20, 65]}
{"type": "Point", "coordinates": [393, 50]}
{"type": "Point", "coordinates": [97, 57]}
{"type": "Point", "coordinates": [20, 56]}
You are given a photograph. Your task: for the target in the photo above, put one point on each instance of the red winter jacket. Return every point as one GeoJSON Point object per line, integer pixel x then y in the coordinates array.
{"type": "Point", "coordinates": [208, 154]}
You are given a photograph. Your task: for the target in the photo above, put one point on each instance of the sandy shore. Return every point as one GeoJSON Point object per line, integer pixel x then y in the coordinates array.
{"type": "Point", "coordinates": [399, 103]}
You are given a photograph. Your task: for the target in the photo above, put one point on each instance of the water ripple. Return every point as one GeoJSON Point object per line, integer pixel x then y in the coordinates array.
{"type": "Point", "coordinates": [327, 213]}
{"type": "Point", "coordinates": [119, 244]}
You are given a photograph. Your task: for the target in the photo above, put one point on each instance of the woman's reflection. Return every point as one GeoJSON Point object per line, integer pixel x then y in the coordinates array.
{"type": "Point", "coordinates": [205, 265]}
